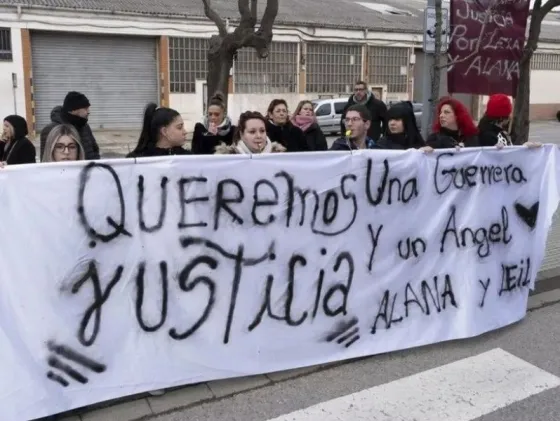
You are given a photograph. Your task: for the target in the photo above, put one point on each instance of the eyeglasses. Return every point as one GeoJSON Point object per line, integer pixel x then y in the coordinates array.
{"type": "Point", "coordinates": [61, 147]}
{"type": "Point", "coordinates": [353, 120]}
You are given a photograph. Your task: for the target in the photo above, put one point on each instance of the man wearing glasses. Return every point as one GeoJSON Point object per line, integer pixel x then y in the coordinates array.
{"type": "Point", "coordinates": [358, 123]}
{"type": "Point", "coordinates": [377, 109]}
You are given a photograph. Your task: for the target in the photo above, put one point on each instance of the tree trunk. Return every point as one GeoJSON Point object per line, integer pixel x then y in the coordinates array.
{"type": "Point", "coordinates": [220, 62]}
{"type": "Point", "coordinates": [520, 129]}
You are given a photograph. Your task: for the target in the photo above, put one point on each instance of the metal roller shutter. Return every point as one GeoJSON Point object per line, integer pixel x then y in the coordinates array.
{"type": "Point", "coordinates": [119, 75]}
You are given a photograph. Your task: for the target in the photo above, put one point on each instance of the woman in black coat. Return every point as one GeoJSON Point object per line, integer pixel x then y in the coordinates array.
{"type": "Point", "coordinates": [279, 129]}
{"type": "Point", "coordinates": [304, 119]}
{"type": "Point", "coordinates": [15, 147]}
{"type": "Point", "coordinates": [215, 129]}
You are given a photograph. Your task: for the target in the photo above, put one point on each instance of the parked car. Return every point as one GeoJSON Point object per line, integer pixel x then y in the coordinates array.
{"type": "Point", "coordinates": [329, 113]}
{"type": "Point", "coordinates": [417, 107]}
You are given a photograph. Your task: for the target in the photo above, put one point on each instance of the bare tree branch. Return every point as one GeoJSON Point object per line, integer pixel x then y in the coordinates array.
{"type": "Point", "coordinates": [247, 21]}
{"type": "Point", "coordinates": [244, 11]}
{"type": "Point", "coordinates": [214, 17]}
{"type": "Point", "coordinates": [543, 10]}
{"type": "Point", "coordinates": [223, 47]}
{"type": "Point", "coordinates": [254, 4]}
{"type": "Point", "coordinates": [268, 18]}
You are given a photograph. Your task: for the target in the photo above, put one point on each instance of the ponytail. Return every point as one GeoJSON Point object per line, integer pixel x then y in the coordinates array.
{"type": "Point", "coordinates": [154, 119]}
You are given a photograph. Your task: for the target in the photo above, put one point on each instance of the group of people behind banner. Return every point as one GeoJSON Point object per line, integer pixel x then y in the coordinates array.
{"type": "Point", "coordinates": [366, 124]}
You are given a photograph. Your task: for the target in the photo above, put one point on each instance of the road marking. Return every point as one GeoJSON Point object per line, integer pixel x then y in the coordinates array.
{"type": "Point", "coordinates": [460, 391]}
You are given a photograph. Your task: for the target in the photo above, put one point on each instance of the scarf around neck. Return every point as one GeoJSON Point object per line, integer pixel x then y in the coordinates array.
{"type": "Point", "coordinates": [243, 149]}
{"type": "Point", "coordinates": [363, 101]}
{"type": "Point", "coordinates": [303, 122]}
{"type": "Point", "coordinates": [223, 128]}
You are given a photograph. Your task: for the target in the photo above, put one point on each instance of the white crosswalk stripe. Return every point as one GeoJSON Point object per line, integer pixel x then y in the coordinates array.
{"type": "Point", "coordinates": [461, 391]}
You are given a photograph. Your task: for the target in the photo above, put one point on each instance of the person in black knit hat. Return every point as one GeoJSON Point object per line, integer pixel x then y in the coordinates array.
{"type": "Point", "coordinates": [15, 147]}
{"type": "Point", "coordinates": [74, 111]}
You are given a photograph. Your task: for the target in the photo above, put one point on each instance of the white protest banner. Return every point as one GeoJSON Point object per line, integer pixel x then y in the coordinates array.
{"type": "Point", "coordinates": [127, 276]}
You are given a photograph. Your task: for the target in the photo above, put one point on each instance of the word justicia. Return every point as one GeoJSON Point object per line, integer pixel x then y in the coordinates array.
{"type": "Point", "coordinates": [210, 268]}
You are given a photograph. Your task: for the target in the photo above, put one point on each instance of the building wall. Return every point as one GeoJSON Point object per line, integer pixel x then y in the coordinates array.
{"type": "Point", "coordinates": [545, 94]}
{"type": "Point", "coordinates": [294, 70]}
{"type": "Point", "coordinates": [7, 93]}
{"type": "Point", "coordinates": [191, 105]}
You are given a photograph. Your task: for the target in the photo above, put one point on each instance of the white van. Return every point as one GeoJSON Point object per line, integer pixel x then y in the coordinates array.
{"type": "Point", "coordinates": [329, 113]}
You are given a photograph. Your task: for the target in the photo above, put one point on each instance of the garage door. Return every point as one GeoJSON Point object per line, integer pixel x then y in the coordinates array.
{"type": "Point", "coordinates": [118, 74]}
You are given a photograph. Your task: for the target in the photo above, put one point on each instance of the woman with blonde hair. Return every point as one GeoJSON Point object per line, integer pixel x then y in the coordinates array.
{"type": "Point", "coordinates": [63, 144]}
{"type": "Point", "coordinates": [250, 137]}
{"type": "Point", "coordinates": [304, 119]}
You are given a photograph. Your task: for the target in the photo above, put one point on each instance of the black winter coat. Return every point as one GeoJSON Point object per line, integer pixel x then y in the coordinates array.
{"type": "Point", "coordinates": [288, 135]}
{"type": "Point", "coordinates": [58, 116]}
{"type": "Point", "coordinates": [490, 134]}
{"type": "Point", "coordinates": [155, 151]}
{"type": "Point", "coordinates": [447, 139]}
{"type": "Point", "coordinates": [204, 143]}
{"type": "Point", "coordinates": [315, 139]}
{"type": "Point", "coordinates": [20, 151]}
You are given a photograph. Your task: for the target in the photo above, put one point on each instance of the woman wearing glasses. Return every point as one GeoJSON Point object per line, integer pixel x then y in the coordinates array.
{"type": "Point", "coordinates": [63, 144]}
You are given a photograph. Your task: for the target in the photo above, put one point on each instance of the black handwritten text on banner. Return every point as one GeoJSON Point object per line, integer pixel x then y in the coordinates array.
{"type": "Point", "coordinates": [127, 276]}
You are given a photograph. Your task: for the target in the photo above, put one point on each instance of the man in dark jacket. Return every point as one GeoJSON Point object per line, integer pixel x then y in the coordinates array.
{"type": "Point", "coordinates": [74, 111]}
{"type": "Point", "coordinates": [376, 108]}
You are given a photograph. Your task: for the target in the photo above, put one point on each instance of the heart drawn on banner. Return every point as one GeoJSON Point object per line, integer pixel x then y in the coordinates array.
{"type": "Point", "coordinates": [528, 215]}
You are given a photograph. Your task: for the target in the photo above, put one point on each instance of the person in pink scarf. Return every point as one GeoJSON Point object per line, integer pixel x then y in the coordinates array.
{"type": "Point", "coordinates": [304, 118]}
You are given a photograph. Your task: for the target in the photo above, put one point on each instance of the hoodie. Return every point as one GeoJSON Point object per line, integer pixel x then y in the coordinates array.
{"type": "Point", "coordinates": [410, 138]}
{"type": "Point", "coordinates": [19, 149]}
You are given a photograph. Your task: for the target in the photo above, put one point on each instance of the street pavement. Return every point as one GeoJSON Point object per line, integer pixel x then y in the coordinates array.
{"type": "Point", "coordinates": [511, 374]}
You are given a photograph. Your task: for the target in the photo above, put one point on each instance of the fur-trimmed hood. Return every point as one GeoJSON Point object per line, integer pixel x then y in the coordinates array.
{"type": "Point", "coordinates": [223, 149]}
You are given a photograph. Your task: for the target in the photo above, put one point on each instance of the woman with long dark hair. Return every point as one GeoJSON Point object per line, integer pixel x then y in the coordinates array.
{"type": "Point", "coordinates": [163, 133]}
